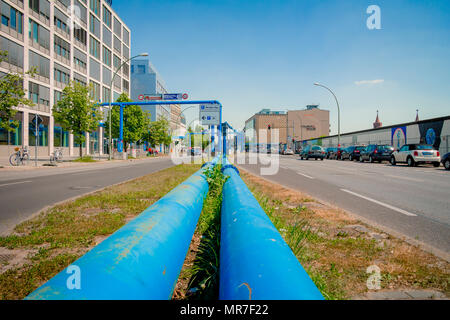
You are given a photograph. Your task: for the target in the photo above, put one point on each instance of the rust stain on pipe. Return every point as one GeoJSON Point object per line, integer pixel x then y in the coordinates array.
{"type": "Point", "coordinates": [249, 290]}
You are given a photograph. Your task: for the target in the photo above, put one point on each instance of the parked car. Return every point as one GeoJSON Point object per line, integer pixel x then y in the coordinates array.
{"type": "Point", "coordinates": [446, 161]}
{"type": "Point", "coordinates": [315, 152]}
{"type": "Point", "coordinates": [415, 154]}
{"type": "Point", "coordinates": [376, 152]}
{"type": "Point", "coordinates": [330, 152]}
{"type": "Point", "coordinates": [288, 152]}
{"type": "Point", "coordinates": [352, 153]}
{"type": "Point", "coordinates": [336, 155]}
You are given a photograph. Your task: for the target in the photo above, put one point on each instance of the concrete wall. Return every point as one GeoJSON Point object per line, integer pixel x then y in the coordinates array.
{"type": "Point", "coordinates": [434, 131]}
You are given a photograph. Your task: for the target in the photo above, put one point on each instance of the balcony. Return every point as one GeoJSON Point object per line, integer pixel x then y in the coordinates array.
{"type": "Point", "coordinates": [80, 69]}
{"type": "Point", "coordinates": [37, 46]}
{"type": "Point", "coordinates": [62, 33]}
{"type": "Point", "coordinates": [17, 3]}
{"type": "Point", "coordinates": [80, 45]}
{"type": "Point", "coordinates": [60, 85]}
{"type": "Point", "coordinates": [41, 78]}
{"type": "Point", "coordinates": [62, 59]}
{"type": "Point", "coordinates": [39, 16]}
{"type": "Point", "coordinates": [11, 67]}
{"type": "Point", "coordinates": [13, 33]}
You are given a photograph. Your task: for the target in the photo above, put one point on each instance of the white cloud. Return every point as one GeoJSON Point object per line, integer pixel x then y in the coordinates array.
{"type": "Point", "coordinates": [370, 82]}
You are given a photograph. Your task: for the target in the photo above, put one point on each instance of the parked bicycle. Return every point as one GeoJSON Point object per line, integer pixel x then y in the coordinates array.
{"type": "Point", "coordinates": [21, 157]}
{"type": "Point", "coordinates": [57, 156]}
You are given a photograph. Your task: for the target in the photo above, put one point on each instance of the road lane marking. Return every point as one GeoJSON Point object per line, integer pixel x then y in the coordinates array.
{"type": "Point", "coordinates": [404, 178]}
{"type": "Point", "coordinates": [305, 175]}
{"type": "Point", "coordinates": [10, 184]}
{"type": "Point", "coordinates": [381, 204]}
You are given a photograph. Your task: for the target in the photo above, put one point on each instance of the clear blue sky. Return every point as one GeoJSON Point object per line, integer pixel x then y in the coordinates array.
{"type": "Point", "coordinates": [267, 54]}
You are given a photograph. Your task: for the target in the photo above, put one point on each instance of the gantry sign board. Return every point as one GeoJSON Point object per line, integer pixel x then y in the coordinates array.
{"type": "Point", "coordinates": [210, 114]}
{"type": "Point", "coordinates": [166, 96]}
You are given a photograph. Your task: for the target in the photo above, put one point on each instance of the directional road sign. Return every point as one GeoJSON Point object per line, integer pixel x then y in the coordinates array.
{"type": "Point", "coordinates": [210, 114]}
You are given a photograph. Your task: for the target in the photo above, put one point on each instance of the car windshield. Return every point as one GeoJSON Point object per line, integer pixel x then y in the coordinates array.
{"type": "Point", "coordinates": [424, 147]}
{"type": "Point", "coordinates": [316, 148]}
{"type": "Point", "coordinates": [386, 148]}
{"type": "Point", "coordinates": [360, 148]}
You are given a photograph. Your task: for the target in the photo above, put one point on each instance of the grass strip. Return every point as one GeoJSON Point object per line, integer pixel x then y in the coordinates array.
{"type": "Point", "coordinates": [47, 244]}
{"type": "Point", "coordinates": [336, 249]}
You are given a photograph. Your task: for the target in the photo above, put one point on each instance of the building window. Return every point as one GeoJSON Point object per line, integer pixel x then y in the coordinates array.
{"type": "Point", "coordinates": [80, 34]}
{"type": "Point", "coordinates": [95, 93]}
{"type": "Point", "coordinates": [57, 95]}
{"type": "Point", "coordinates": [106, 16]}
{"type": "Point", "coordinates": [94, 47]}
{"type": "Point", "coordinates": [38, 94]}
{"type": "Point", "coordinates": [41, 63]}
{"type": "Point", "coordinates": [13, 138]}
{"type": "Point", "coordinates": [61, 25]}
{"type": "Point", "coordinates": [117, 62]}
{"type": "Point", "coordinates": [39, 34]}
{"type": "Point", "coordinates": [15, 52]}
{"type": "Point", "coordinates": [95, 6]}
{"type": "Point", "coordinates": [61, 76]}
{"type": "Point", "coordinates": [106, 94]}
{"type": "Point", "coordinates": [106, 56]}
{"type": "Point", "coordinates": [60, 137]}
{"type": "Point", "coordinates": [11, 17]}
{"type": "Point", "coordinates": [94, 26]}
{"type": "Point", "coordinates": [62, 48]}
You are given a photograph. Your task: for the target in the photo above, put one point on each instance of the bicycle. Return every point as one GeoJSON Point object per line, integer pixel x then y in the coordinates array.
{"type": "Point", "coordinates": [20, 157]}
{"type": "Point", "coordinates": [57, 156]}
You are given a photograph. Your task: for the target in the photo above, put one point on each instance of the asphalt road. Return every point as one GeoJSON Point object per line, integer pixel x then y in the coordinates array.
{"type": "Point", "coordinates": [414, 202]}
{"type": "Point", "coordinates": [26, 192]}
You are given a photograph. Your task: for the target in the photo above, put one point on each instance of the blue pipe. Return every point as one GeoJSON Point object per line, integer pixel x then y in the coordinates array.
{"type": "Point", "coordinates": [143, 259]}
{"type": "Point", "coordinates": [255, 262]}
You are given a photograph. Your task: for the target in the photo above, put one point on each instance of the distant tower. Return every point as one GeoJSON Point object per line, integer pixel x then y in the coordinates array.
{"type": "Point", "coordinates": [377, 123]}
{"type": "Point", "coordinates": [417, 115]}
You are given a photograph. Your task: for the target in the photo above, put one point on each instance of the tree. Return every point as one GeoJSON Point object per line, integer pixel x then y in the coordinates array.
{"type": "Point", "coordinates": [159, 133]}
{"type": "Point", "coordinates": [12, 94]}
{"type": "Point", "coordinates": [135, 122]}
{"type": "Point", "coordinates": [77, 112]}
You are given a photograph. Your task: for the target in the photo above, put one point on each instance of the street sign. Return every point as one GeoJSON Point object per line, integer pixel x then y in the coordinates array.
{"type": "Point", "coordinates": [172, 96]}
{"type": "Point", "coordinates": [37, 119]}
{"type": "Point", "coordinates": [150, 97]}
{"type": "Point", "coordinates": [209, 114]}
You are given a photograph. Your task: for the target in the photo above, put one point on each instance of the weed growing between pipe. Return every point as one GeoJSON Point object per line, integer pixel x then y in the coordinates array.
{"type": "Point", "coordinates": [199, 278]}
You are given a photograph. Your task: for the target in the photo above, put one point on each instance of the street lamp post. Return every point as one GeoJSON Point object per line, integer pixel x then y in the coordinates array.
{"type": "Point", "coordinates": [339, 112]}
{"type": "Point", "coordinates": [111, 97]}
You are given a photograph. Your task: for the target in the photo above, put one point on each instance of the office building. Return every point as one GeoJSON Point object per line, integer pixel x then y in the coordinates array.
{"type": "Point", "coordinates": [293, 125]}
{"type": "Point", "coordinates": [86, 47]}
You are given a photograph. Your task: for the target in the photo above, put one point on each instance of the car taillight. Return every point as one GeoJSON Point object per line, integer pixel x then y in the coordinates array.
{"type": "Point", "coordinates": [438, 154]}
{"type": "Point", "coordinates": [376, 151]}
{"type": "Point", "coordinates": [310, 152]}
{"type": "Point", "coordinates": [356, 151]}
{"type": "Point", "coordinates": [416, 154]}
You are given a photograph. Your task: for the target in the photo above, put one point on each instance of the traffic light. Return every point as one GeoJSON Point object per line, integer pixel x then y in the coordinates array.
{"type": "Point", "coordinates": [269, 127]}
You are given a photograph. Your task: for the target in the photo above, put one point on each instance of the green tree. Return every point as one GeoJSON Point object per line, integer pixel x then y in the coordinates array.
{"type": "Point", "coordinates": [12, 94]}
{"type": "Point", "coordinates": [158, 133]}
{"type": "Point", "coordinates": [77, 112]}
{"type": "Point", "coordinates": [135, 122]}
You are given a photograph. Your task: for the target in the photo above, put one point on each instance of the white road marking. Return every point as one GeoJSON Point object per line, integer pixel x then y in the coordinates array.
{"type": "Point", "coordinates": [305, 175]}
{"type": "Point", "coordinates": [382, 204]}
{"type": "Point", "coordinates": [404, 178]}
{"type": "Point", "coordinates": [10, 184]}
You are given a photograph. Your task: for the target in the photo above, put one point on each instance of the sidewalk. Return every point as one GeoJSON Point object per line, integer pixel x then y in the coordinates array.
{"type": "Point", "coordinates": [67, 162]}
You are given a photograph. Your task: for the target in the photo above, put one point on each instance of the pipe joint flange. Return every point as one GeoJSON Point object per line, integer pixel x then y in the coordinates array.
{"type": "Point", "coordinates": [230, 166]}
